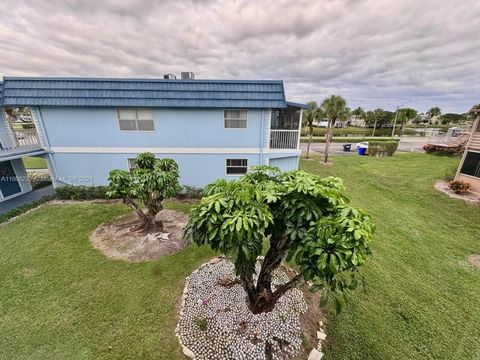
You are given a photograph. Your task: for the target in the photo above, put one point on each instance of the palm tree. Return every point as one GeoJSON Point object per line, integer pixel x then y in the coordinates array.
{"type": "Point", "coordinates": [358, 112]}
{"type": "Point", "coordinates": [434, 112]}
{"type": "Point", "coordinates": [334, 108]}
{"type": "Point", "coordinates": [313, 113]}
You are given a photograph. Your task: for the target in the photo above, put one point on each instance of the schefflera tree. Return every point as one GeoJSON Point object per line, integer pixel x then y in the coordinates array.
{"type": "Point", "coordinates": [301, 216]}
{"type": "Point", "coordinates": [151, 181]}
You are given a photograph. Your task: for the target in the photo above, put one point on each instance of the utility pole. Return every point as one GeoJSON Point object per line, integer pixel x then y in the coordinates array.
{"type": "Point", "coordinates": [396, 116]}
{"type": "Point", "coordinates": [395, 122]}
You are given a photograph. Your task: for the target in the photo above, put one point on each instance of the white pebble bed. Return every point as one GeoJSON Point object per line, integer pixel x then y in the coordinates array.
{"type": "Point", "coordinates": [215, 322]}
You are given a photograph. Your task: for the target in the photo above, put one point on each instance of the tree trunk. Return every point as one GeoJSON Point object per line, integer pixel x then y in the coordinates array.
{"type": "Point", "coordinates": [148, 220]}
{"type": "Point", "coordinates": [327, 140]}
{"type": "Point", "coordinates": [261, 297]}
{"type": "Point", "coordinates": [141, 215]}
{"type": "Point", "coordinates": [310, 134]}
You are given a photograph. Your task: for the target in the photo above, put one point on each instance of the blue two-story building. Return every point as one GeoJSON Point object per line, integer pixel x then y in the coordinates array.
{"type": "Point", "coordinates": [86, 127]}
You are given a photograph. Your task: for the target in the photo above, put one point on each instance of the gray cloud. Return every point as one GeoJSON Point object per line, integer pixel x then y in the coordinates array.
{"type": "Point", "coordinates": [374, 53]}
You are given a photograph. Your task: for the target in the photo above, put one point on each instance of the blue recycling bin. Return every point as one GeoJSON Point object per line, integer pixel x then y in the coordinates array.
{"type": "Point", "coordinates": [362, 150]}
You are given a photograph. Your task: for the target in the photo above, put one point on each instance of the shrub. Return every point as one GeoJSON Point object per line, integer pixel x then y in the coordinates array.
{"type": "Point", "coordinates": [382, 148]}
{"type": "Point", "coordinates": [71, 192]}
{"type": "Point", "coordinates": [152, 181]}
{"type": "Point", "coordinates": [188, 191]}
{"type": "Point", "coordinates": [38, 181]}
{"type": "Point", "coordinates": [459, 186]}
{"type": "Point", "coordinates": [304, 218]}
{"type": "Point", "coordinates": [24, 208]}
{"type": "Point", "coordinates": [443, 150]}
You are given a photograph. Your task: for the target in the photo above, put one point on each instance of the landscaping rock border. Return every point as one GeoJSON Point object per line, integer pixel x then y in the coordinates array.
{"type": "Point", "coordinates": [215, 325]}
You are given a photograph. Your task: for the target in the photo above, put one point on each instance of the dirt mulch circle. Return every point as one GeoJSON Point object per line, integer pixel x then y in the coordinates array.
{"type": "Point", "coordinates": [474, 260]}
{"type": "Point", "coordinates": [116, 240]}
{"type": "Point", "coordinates": [442, 185]}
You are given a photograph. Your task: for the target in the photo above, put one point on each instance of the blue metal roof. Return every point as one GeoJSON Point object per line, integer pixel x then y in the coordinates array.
{"type": "Point", "coordinates": [41, 91]}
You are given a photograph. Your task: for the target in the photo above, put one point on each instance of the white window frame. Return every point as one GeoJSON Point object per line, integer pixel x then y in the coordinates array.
{"type": "Point", "coordinates": [128, 164]}
{"type": "Point", "coordinates": [136, 120]}
{"type": "Point", "coordinates": [226, 166]}
{"type": "Point", "coordinates": [230, 128]}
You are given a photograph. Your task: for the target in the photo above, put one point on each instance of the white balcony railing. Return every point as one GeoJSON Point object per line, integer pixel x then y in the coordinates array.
{"type": "Point", "coordinates": [284, 139]}
{"type": "Point", "coordinates": [25, 140]}
{"type": "Point", "coordinates": [26, 137]}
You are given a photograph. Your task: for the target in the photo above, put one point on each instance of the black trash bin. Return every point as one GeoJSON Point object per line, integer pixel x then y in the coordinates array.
{"type": "Point", "coordinates": [347, 147]}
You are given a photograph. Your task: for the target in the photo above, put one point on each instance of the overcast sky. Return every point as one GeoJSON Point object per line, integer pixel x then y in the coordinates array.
{"type": "Point", "coordinates": [374, 53]}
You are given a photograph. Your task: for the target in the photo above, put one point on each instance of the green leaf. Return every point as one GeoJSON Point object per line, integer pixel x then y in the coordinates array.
{"type": "Point", "coordinates": [324, 298]}
{"type": "Point", "coordinates": [338, 302]}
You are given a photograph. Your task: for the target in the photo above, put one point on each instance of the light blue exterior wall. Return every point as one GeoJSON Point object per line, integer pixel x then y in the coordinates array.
{"type": "Point", "coordinates": [193, 128]}
{"type": "Point", "coordinates": [86, 143]}
{"type": "Point", "coordinates": [195, 169]}
{"type": "Point", "coordinates": [284, 163]}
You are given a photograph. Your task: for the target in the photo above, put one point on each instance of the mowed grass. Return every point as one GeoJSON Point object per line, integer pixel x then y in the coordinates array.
{"type": "Point", "coordinates": [62, 299]}
{"type": "Point", "coordinates": [423, 298]}
{"type": "Point", "coordinates": [33, 162]}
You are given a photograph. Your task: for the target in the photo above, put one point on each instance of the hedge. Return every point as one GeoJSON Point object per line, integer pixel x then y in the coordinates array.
{"type": "Point", "coordinates": [356, 131]}
{"type": "Point", "coordinates": [382, 148]}
{"type": "Point", "coordinates": [443, 150]}
{"type": "Point", "coordinates": [350, 140]}
{"type": "Point", "coordinates": [70, 192]}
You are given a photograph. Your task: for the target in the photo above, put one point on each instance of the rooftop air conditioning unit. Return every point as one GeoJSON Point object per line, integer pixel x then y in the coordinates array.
{"type": "Point", "coordinates": [169, 77]}
{"type": "Point", "coordinates": [187, 75]}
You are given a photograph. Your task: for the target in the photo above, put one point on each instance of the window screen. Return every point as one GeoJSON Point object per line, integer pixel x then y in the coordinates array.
{"type": "Point", "coordinates": [235, 119]}
{"type": "Point", "coordinates": [237, 166]}
{"type": "Point", "coordinates": [471, 165]}
{"type": "Point", "coordinates": [135, 120]}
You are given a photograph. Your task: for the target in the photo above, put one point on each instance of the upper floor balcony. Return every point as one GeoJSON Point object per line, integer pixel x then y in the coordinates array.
{"type": "Point", "coordinates": [285, 128]}
{"type": "Point", "coordinates": [26, 141]}
{"type": "Point", "coordinates": [17, 137]}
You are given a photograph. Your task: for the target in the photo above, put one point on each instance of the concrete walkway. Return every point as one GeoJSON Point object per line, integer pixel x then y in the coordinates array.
{"type": "Point", "coordinates": [25, 198]}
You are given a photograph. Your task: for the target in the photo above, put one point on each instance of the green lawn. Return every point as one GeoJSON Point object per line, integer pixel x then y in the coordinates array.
{"type": "Point", "coordinates": [422, 299]}
{"type": "Point", "coordinates": [61, 299]}
{"type": "Point", "coordinates": [32, 162]}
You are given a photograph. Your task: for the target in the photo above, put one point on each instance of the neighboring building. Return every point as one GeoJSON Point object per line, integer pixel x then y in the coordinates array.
{"type": "Point", "coordinates": [356, 121]}
{"type": "Point", "coordinates": [86, 127]}
{"type": "Point", "coordinates": [469, 168]}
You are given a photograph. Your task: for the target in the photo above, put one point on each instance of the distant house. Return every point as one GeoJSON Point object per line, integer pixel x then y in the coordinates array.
{"type": "Point", "coordinates": [85, 127]}
{"type": "Point", "coordinates": [469, 168]}
{"type": "Point", "coordinates": [356, 121]}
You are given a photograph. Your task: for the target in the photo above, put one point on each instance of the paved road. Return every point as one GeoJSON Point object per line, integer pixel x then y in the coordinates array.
{"type": "Point", "coordinates": [407, 144]}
